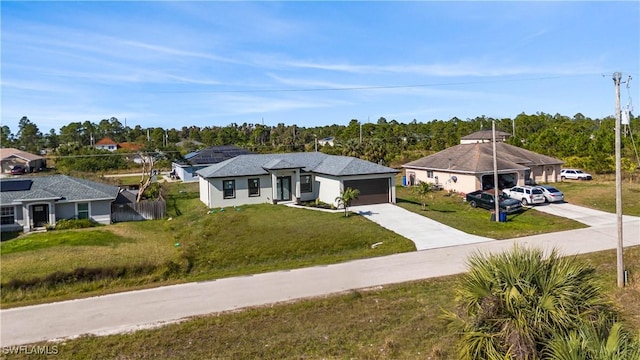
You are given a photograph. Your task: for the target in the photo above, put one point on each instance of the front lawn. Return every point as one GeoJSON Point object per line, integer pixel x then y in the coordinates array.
{"type": "Point", "coordinates": [193, 244]}
{"type": "Point", "coordinates": [452, 210]}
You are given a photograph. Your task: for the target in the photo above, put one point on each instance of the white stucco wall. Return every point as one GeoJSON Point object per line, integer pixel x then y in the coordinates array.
{"type": "Point", "coordinates": [328, 188]}
{"type": "Point", "coordinates": [215, 198]}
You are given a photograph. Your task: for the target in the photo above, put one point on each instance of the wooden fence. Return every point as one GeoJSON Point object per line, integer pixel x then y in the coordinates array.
{"type": "Point", "coordinates": [144, 210]}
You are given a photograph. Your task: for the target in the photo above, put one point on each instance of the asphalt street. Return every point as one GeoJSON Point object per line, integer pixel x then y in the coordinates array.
{"type": "Point", "coordinates": [134, 310]}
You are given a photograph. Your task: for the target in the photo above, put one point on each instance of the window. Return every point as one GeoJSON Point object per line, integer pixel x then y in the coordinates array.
{"type": "Point", "coordinates": [430, 174]}
{"type": "Point", "coordinates": [229, 189]}
{"type": "Point", "coordinates": [306, 184]}
{"type": "Point", "coordinates": [7, 215]}
{"type": "Point", "coordinates": [254, 187]}
{"type": "Point", "coordinates": [83, 210]}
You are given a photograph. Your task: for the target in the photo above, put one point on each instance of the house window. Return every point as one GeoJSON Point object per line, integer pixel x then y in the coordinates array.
{"type": "Point", "coordinates": [430, 174]}
{"type": "Point", "coordinates": [254, 187]}
{"type": "Point", "coordinates": [229, 189]}
{"type": "Point", "coordinates": [305, 184]}
{"type": "Point", "coordinates": [7, 215]}
{"type": "Point", "coordinates": [83, 210]}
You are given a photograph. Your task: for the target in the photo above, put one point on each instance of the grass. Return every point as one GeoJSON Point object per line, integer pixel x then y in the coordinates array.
{"type": "Point", "coordinates": [193, 245]}
{"type": "Point", "coordinates": [451, 210]}
{"type": "Point", "coordinates": [393, 322]}
{"type": "Point", "coordinates": [600, 194]}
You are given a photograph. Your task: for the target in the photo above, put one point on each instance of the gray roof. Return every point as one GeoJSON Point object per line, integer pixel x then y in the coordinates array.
{"type": "Point", "coordinates": [214, 155]}
{"type": "Point", "coordinates": [58, 187]}
{"type": "Point", "coordinates": [478, 158]}
{"type": "Point", "coordinates": [486, 135]}
{"type": "Point", "coordinates": [315, 162]}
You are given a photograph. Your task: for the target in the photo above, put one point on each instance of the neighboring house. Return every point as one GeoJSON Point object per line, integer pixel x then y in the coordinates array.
{"type": "Point", "coordinates": [106, 144]}
{"type": "Point", "coordinates": [484, 136]}
{"type": "Point", "coordinates": [326, 141]}
{"type": "Point", "coordinates": [469, 167]}
{"type": "Point", "coordinates": [10, 157]}
{"type": "Point", "coordinates": [30, 203]}
{"type": "Point", "coordinates": [186, 170]}
{"type": "Point", "coordinates": [294, 177]}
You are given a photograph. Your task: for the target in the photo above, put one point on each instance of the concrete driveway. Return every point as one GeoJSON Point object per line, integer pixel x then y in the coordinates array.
{"type": "Point", "coordinates": [581, 214]}
{"type": "Point", "coordinates": [424, 232]}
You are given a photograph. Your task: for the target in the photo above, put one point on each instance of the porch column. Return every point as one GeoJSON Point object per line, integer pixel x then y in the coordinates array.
{"type": "Point", "coordinates": [26, 218]}
{"type": "Point", "coordinates": [297, 180]}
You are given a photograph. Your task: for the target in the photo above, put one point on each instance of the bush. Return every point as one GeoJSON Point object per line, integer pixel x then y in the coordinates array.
{"type": "Point", "coordinates": [66, 224]}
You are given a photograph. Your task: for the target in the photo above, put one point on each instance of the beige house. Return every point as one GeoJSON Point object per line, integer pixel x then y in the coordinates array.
{"type": "Point", "coordinates": [468, 167]}
{"type": "Point", "coordinates": [10, 157]}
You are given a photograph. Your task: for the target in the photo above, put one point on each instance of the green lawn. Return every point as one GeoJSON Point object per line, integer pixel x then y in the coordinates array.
{"type": "Point", "coordinates": [193, 245]}
{"type": "Point", "coordinates": [452, 210]}
{"type": "Point", "coordinates": [393, 322]}
{"type": "Point", "coordinates": [196, 245]}
{"type": "Point", "coordinates": [601, 195]}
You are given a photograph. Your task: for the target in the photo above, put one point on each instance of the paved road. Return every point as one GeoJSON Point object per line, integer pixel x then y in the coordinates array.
{"type": "Point", "coordinates": [153, 307]}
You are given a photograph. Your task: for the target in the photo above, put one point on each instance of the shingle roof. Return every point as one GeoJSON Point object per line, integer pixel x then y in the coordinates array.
{"type": "Point", "coordinates": [215, 154]}
{"type": "Point", "coordinates": [486, 135]}
{"type": "Point", "coordinates": [7, 152]}
{"type": "Point", "coordinates": [478, 158]}
{"type": "Point", "coordinates": [317, 162]}
{"type": "Point", "coordinates": [61, 187]}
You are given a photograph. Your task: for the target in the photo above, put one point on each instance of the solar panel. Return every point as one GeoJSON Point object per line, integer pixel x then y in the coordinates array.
{"type": "Point", "coordinates": [15, 185]}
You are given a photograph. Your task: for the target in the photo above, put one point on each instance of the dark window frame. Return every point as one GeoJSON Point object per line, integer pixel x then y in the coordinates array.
{"type": "Point", "coordinates": [306, 187]}
{"type": "Point", "coordinates": [87, 211]}
{"type": "Point", "coordinates": [254, 191]}
{"type": "Point", "coordinates": [7, 215]}
{"type": "Point", "coordinates": [225, 189]}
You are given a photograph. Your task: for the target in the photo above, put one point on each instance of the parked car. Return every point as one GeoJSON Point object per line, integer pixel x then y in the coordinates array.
{"type": "Point", "coordinates": [574, 174]}
{"type": "Point", "coordinates": [527, 195]}
{"type": "Point", "coordinates": [486, 200]}
{"type": "Point", "coordinates": [551, 194]}
{"type": "Point", "coordinates": [18, 170]}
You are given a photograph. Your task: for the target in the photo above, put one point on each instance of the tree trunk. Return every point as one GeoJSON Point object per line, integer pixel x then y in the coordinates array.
{"type": "Point", "coordinates": [147, 168]}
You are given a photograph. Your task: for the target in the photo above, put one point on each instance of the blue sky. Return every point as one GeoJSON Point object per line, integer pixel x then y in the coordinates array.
{"type": "Point", "coordinates": [174, 64]}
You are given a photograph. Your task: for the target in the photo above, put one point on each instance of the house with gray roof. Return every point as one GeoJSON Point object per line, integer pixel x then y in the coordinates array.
{"type": "Point", "coordinates": [468, 167]}
{"type": "Point", "coordinates": [29, 203]}
{"type": "Point", "coordinates": [294, 177]}
{"type": "Point", "coordinates": [186, 169]}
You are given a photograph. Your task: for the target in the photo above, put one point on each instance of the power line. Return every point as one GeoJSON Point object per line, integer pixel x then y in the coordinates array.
{"type": "Point", "coordinates": [376, 87]}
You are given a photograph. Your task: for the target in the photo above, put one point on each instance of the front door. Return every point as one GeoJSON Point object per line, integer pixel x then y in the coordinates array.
{"type": "Point", "coordinates": [283, 188]}
{"type": "Point", "coordinates": [40, 215]}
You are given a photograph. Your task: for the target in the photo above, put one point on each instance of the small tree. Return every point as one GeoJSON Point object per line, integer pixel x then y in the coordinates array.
{"type": "Point", "coordinates": [346, 197]}
{"type": "Point", "coordinates": [423, 189]}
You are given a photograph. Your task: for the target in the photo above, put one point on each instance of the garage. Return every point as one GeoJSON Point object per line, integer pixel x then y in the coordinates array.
{"type": "Point", "coordinates": [372, 191]}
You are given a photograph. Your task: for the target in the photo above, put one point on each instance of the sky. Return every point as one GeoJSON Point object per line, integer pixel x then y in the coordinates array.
{"type": "Point", "coordinates": [208, 63]}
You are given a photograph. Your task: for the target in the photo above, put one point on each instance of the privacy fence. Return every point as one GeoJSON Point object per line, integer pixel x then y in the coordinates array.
{"type": "Point", "coordinates": [138, 211]}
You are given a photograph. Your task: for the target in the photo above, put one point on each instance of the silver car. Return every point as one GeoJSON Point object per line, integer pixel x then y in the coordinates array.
{"type": "Point", "coordinates": [551, 194]}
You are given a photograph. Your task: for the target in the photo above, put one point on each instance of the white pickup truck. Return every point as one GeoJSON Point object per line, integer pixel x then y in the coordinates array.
{"type": "Point", "coordinates": [527, 195]}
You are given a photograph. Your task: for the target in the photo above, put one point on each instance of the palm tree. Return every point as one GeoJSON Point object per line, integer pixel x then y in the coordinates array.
{"type": "Point", "coordinates": [346, 197]}
{"type": "Point", "coordinates": [423, 188]}
{"type": "Point", "coordinates": [515, 304]}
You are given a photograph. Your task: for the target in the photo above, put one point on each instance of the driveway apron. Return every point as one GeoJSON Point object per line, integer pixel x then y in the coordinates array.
{"type": "Point", "coordinates": [424, 232]}
{"type": "Point", "coordinates": [581, 214]}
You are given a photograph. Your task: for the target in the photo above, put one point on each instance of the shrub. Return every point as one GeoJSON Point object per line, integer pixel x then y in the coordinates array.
{"type": "Point", "coordinates": [66, 224]}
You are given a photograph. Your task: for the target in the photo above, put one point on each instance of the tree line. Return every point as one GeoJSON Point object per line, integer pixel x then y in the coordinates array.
{"type": "Point", "coordinates": [579, 141]}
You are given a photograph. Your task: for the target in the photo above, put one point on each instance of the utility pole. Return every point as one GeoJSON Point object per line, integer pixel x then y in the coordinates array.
{"type": "Point", "coordinates": [496, 196]}
{"type": "Point", "coordinates": [619, 253]}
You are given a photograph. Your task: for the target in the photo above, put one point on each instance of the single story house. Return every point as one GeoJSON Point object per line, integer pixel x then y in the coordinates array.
{"type": "Point", "coordinates": [294, 177]}
{"type": "Point", "coordinates": [468, 167]}
{"type": "Point", "coordinates": [106, 144]}
{"type": "Point", "coordinates": [30, 203]}
{"type": "Point", "coordinates": [10, 157]}
{"type": "Point", "coordinates": [484, 136]}
{"type": "Point", "coordinates": [326, 141]}
{"type": "Point", "coordinates": [186, 170]}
